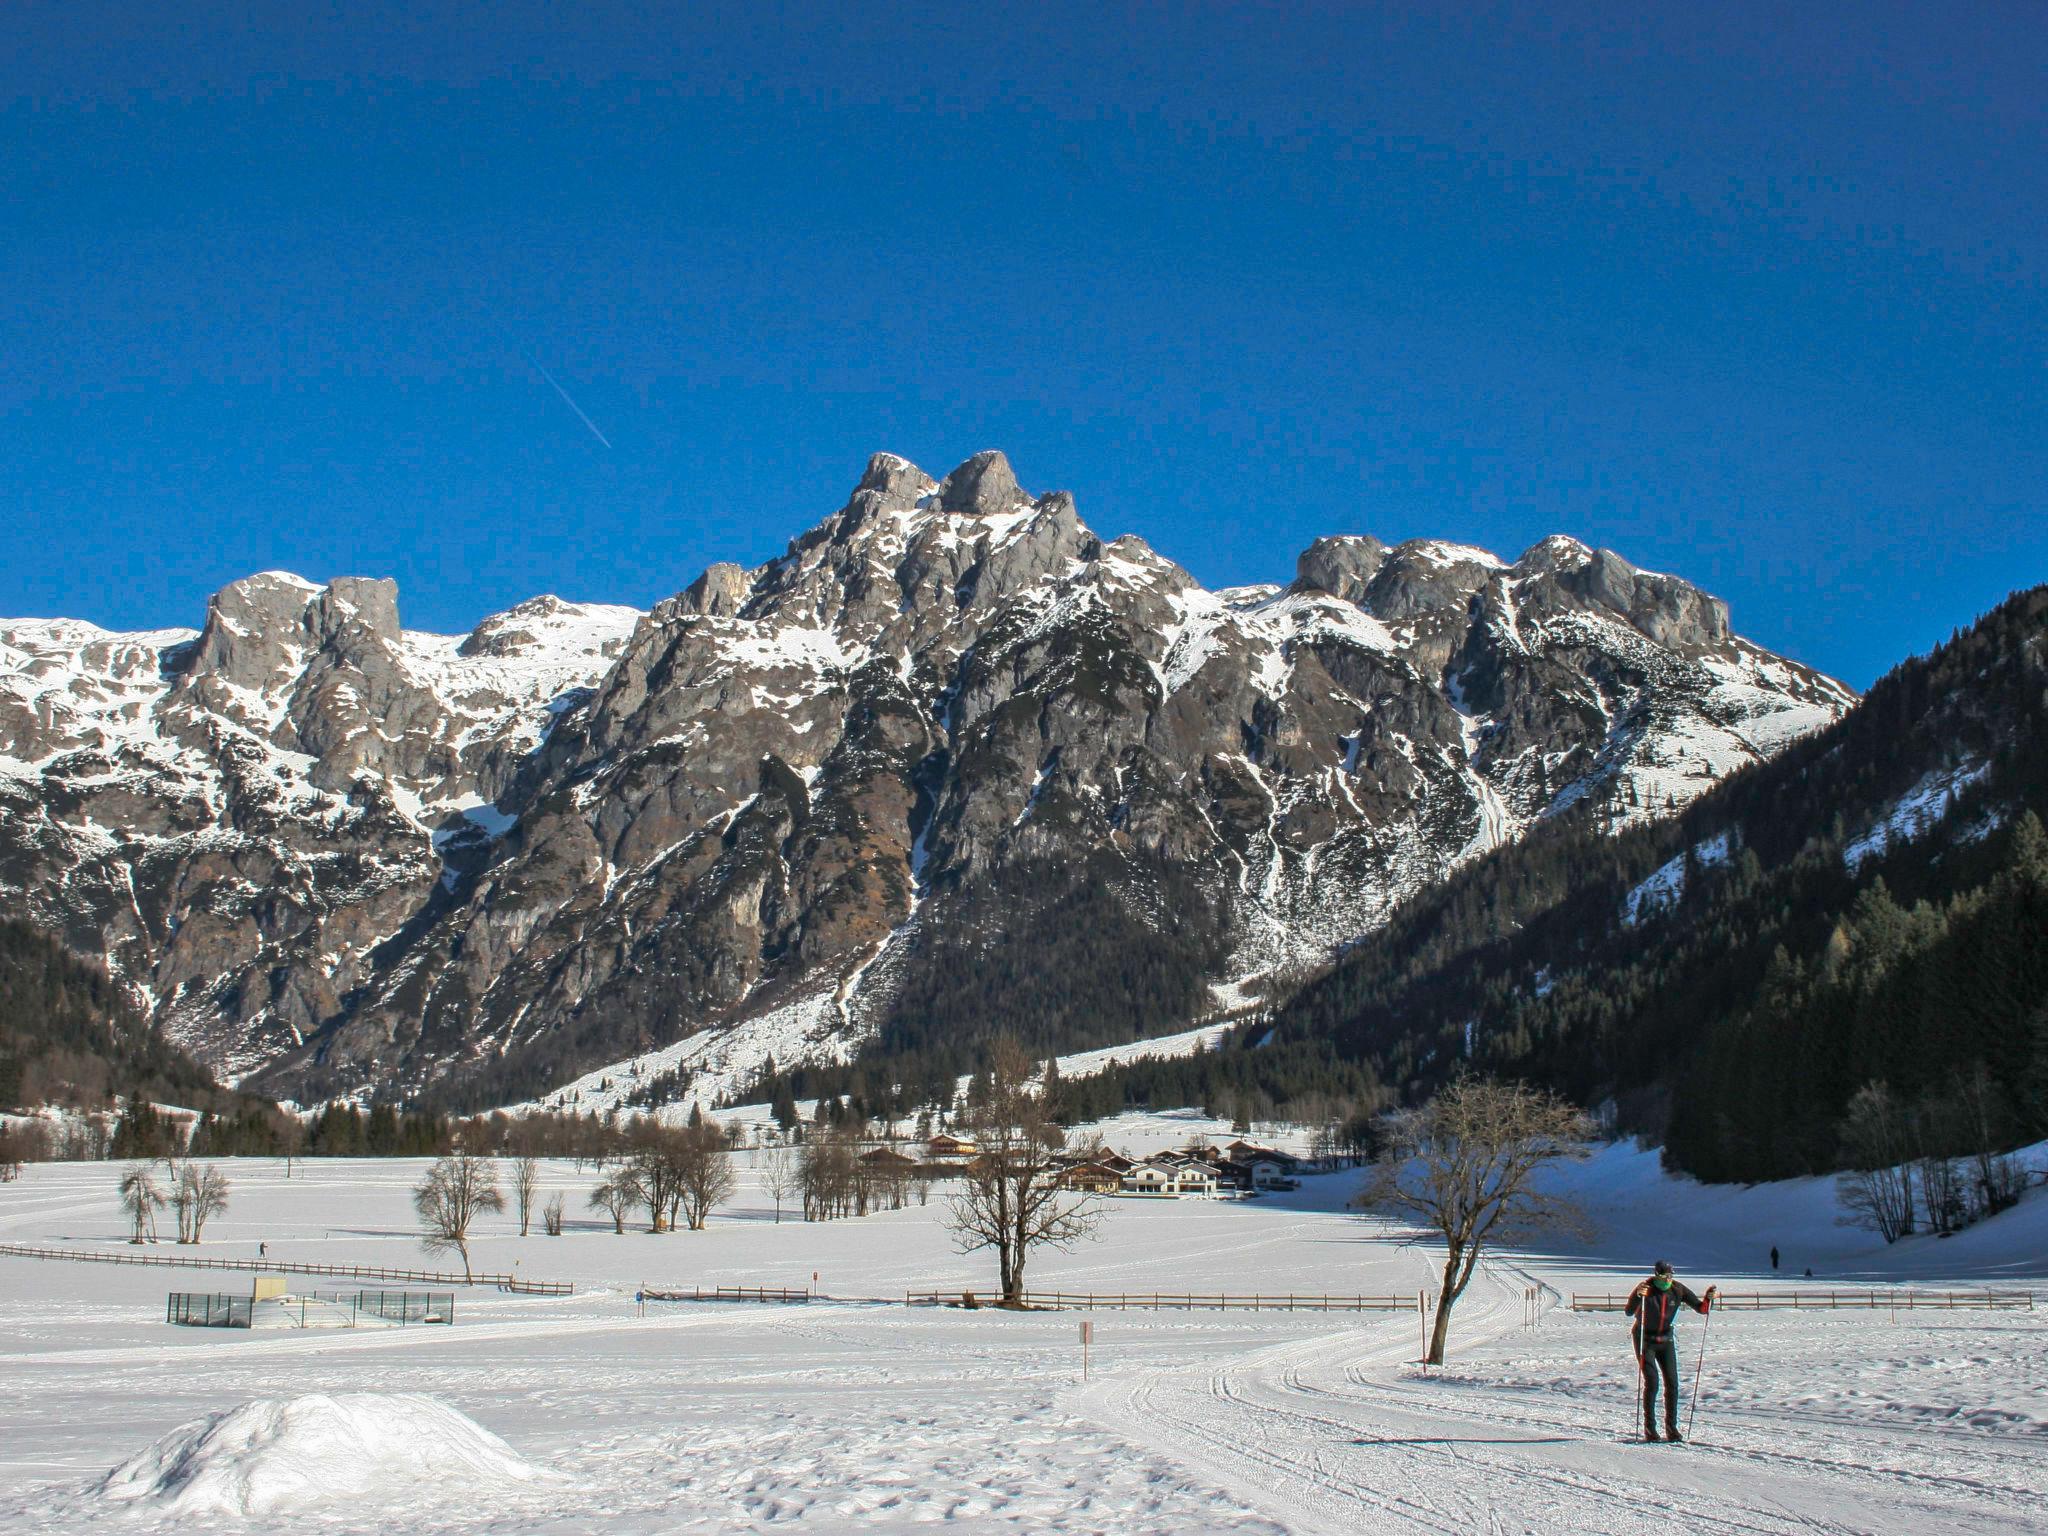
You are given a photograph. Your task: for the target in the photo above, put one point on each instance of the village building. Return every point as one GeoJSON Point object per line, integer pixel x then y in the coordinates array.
{"type": "Point", "coordinates": [1092, 1179]}
{"type": "Point", "coordinates": [1167, 1181]}
{"type": "Point", "coordinates": [887, 1160]}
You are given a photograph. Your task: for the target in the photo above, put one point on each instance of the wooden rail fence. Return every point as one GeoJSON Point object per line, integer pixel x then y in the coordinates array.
{"type": "Point", "coordinates": [1156, 1301]}
{"type": "Point", "coordinates": [511, 1283]}
{"type": "Point", "coordinates": [1807, 1299]}
{"type": "Point", "coordinates": [537, 1287]}
{"type": "Point", "coordinates": [767, 1293]}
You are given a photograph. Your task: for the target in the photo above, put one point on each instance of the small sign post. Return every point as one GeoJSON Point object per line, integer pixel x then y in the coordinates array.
{"type": "Point", "coordinates": [1087, 1338]}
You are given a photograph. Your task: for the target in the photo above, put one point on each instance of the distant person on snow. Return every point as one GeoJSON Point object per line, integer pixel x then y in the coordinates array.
{"type": "Point", "coordinates": [1654, 1305]}
{"type": "Point", "coordinates": [1774, 1261]}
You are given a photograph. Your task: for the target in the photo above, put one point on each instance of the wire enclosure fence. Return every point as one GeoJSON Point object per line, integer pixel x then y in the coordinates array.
{"type": "Point", "coordinates": [200, 1309]}
{"type": "Point", "coordinates": [399, 1307]}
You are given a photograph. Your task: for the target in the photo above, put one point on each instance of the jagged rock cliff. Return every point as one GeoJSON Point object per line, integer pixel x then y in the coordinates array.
{"type": "Point", "coordinates": [951, 761]}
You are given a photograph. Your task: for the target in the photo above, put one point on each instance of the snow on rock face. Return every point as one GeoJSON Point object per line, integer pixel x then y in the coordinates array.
{"type": "Point", "coordinates": [1915, 814]}
{"type": "Point", "coordinates": [242, 813]}
{"type": "Point", "coordinates": [1666, 884]}
{"type": "Point", "coordinates": [335, 856]}
{"type": "Point", "coordinates": [308, 1454]}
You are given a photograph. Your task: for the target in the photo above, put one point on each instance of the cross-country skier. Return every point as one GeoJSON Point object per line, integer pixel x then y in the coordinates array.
{"type": "Point", "coordinates": [1654, 1305]}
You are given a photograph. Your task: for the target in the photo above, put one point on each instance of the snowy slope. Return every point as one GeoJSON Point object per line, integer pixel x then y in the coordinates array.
{"type": "Point", "coordinates": [855, 1415]}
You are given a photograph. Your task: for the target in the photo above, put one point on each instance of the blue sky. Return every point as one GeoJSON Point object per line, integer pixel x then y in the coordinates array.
{"type": "Point", "coordinates": [1751, 293]}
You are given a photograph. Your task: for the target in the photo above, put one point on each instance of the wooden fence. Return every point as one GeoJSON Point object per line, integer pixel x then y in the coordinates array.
{"type": "Point", "coordinates": [536, 1287]}
{"type": "Point", "coordinates": [288, 1267]}
{"type": "Point", "coordinates": [1156, 1301]}
{"type": "Point", "coordinates": [1807, 1299]}
{"type": "Point", "coordinates": [767, 1293]}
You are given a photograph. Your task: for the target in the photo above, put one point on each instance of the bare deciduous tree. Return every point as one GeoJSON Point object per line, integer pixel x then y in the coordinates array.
{"type": "Point", "coordinates": [1465, 1164]}
{"type": "Point", "coordinates": [141, 1198]}
{"type": "Point", "coordinates": [525, 1185]}
{"type": "Point", "coordinates": [551, 1215]}
{"type": "Point", "coordinates": [457, 1189]}
{"type": "Point", "coordinates": [654, 1155]}
{"type": "Point", "coordinates": [197, 1195]}
{"type": "Point", "coordinates": [780, 1177]}
{"type": "Point", "coordinates": [828, 1172]}
{"type": "Point", "coordinates": [18, 1145]}
{"type": "Point", "coordinates": [1877, 1192]}
{"type": "Point", "coordinates": [1011, 1199]}
{"type": "Point", "coordinates": [617, 1194]}
{"type": "Point", "coordinates": [1997, 1178]}
{"type": "Point", "coordinates": [703, 1171]}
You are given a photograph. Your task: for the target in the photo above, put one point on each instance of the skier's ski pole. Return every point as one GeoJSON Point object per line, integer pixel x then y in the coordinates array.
{"type": "Point", "coordinates": [1642, 1377]}
{"type": "Point", "coordinates": [1697, 1366]}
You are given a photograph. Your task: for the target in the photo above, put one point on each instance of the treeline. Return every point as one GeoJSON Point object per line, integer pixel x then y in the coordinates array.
{"type": "Point", "coordinates": [1796, 960]}
{"type": "Point", "coordinates": [1241, 1082]}
{"type": "Point", "coordinates": [143, 1132]}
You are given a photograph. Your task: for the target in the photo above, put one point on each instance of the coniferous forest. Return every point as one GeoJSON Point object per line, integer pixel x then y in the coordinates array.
{"type": "Point", "coordinates": [1782, 959]}
{"type": "Point", "coordinates": [69, 1036]}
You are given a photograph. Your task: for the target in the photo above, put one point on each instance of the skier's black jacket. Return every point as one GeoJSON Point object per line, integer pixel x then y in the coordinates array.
{"type": "Point", "coordinates": [1659, 1310]}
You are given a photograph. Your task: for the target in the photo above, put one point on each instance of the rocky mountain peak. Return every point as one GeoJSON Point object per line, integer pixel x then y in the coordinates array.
{"type": "Point", "coordinates": [984, 485]}
{"type": "Point", "coordinates": [896, 480]}
{"type": "Point", "coordinates": [1342, 565]}
{"type": "Point", "coordinates": [719, 593]}
{"type": "Point", "coordinates": [1560, 573]}
{"type": "Point", "coordinates": [253, 628]}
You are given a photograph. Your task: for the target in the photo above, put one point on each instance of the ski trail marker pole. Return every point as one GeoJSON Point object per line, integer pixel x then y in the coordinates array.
{"type": "Point", "coordinates": [1697, 1366]}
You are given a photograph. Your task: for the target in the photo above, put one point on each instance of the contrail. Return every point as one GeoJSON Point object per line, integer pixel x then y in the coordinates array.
{"type": "Point", "coordinates": [570, 403]}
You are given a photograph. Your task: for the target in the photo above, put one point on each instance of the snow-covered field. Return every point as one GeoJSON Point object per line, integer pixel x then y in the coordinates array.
{"type": "Point", "coordinates": [856, 1414]}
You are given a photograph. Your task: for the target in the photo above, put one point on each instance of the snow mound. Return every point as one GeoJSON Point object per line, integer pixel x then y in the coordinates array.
{"type": "Point", "coordinates": [277, 1454]}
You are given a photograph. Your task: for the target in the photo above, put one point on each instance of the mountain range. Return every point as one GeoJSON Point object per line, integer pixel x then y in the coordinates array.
{"type": "Point", "coordinates": [950, 764]}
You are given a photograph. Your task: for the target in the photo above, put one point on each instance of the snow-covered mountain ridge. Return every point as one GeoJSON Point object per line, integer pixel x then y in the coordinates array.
{"type": "Point", "coordinates": [949, 762]}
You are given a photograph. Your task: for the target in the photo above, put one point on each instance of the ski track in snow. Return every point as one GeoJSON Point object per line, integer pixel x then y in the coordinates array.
{"type": "Point", "coordinates": [1332, 1435]}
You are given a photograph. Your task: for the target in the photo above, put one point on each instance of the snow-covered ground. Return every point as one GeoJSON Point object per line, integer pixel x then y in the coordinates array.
{"type": "Point", "coordinates": [855, 1414]}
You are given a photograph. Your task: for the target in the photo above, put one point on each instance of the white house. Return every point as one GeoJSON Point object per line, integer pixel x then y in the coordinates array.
{"type": "Point", "coordinates": [1167, 1182]}
{"type": "Point", "coordinates": [1268, 1173]}
{"type": "Point", "coordinates": [1149, 1179]}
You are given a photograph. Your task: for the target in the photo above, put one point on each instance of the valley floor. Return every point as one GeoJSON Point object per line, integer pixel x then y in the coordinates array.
{"type": "Point", "coordinates": [857, 1414]}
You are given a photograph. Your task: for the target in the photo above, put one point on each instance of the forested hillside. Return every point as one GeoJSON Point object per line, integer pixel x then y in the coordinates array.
{"type": "Point", "coordinates": [1871, 906]}
{"type": "Point", "coordinates": [67, 1036]}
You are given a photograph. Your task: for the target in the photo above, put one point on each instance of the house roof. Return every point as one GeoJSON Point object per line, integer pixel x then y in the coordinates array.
{"type": "Point", "coordinates": [1086, 1170]}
